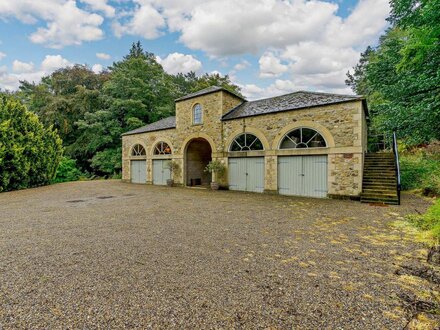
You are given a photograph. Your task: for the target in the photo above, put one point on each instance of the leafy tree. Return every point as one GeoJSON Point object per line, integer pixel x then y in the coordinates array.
{"type": "Point", "coordinates": [29, 152]}
{"type": "Point", "coordinates": [62, 99]}
{"type": "Point", "coordinates": [137, 92]}
{"type": "Point", "coordinates": [401, 76]}
{"type": "Point", "coordinates": [91, 111]}
{"type": "Point", "coordinates": [190, 82]}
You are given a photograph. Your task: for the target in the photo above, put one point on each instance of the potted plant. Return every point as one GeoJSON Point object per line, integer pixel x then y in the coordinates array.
{"type": "Point", "coordinates": [216, 167]}
{"type": "Point", "coordinates": [172, 166]}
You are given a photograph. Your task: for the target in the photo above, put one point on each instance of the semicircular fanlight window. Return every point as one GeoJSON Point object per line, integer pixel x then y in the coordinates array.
{"type": "Point", "coordinates": [302, 138]}
{"type": "Point", "coordinates": [138, 150]}
{"type": "Point", "coordinates": [246, 142]}
{"type": "Point", "coordinates": [162, 148]}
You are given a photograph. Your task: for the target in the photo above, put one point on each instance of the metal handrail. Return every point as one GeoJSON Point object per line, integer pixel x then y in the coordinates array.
{"type": "Point", "coordinates": [396, 159]}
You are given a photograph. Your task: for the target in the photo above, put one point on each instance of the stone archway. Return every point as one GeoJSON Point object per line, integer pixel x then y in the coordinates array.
{"type": "Point", "coordinates": [198, 154]}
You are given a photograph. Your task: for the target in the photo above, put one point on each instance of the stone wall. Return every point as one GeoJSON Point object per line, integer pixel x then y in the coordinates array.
{"type": "Point", "coordinates": [342, 125]}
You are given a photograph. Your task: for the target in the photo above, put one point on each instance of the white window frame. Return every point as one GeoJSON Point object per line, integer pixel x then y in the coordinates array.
{"type": "Point", "coordinates": [286, 136]}
{"type": "Point", "coordinates": [197, 117]}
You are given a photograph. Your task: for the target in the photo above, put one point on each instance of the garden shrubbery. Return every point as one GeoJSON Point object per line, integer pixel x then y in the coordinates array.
{"type": "Point", "coordinates": [29, 152]}
{"type": "Point", "coordinates": [420, 169]}
{"type": "Point", "coordinates": [67, 171]}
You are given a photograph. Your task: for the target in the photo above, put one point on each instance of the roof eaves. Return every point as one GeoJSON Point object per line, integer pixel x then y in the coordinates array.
{"type": "Point", "coordinates": [193, 95]}
{"type": "Point", "coordinates": [152, 130]}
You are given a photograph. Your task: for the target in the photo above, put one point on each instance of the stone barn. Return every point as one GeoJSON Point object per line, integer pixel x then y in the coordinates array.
{"type": "Point", "coordinates": [303, 143]}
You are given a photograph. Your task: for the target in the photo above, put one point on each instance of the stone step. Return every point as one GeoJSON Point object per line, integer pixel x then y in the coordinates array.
{"type": "Point", "coordinates": [374, 185]}
{"type": "Point", "coordinates": [392, 201]}
{"type": "Point", "coordinates": [380, 176]}
{"type": "Point", "coordinates": [375, 156]}
{"type": "Point", "coordinates": [380, 170]}
{"type": "Point", "coordinates": [379, 195]}
{"type": "Point", "coordinates": [380, 191]}
{"type": "Point", "coordinates": [379, 154]}
{"type": "Point", "coordinates": [373, 173]}
{"type": "Point", "coordinates": [382, 158]}
{"type": "Point", "coordinates": [387, 186]}
{"type": "Point", "coordinates": [377, 185]}
{"type": "Point", "coordinates": [379, 164]}
{"type": "Point", "coordinates": [379, 161]}
{"type": "Point", "coordinates": [376, 170]}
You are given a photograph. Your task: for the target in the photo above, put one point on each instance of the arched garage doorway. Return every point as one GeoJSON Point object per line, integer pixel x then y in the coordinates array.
{"type": "Point", "coordinates": [198, 155]}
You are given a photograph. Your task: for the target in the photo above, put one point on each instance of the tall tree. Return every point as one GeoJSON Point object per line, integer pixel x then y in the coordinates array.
{"type": "Point", "coordinates": [29, 152]}
{"type": "Point", "coordinates": [138, 92]}
{"type": "Point", "coordinates": [401, 76]}
{"type": "Point", "coordinates": [91, 110]}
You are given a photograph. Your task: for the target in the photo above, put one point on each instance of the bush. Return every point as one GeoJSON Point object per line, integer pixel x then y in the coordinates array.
{"type": "Point", "coordinates": [420, 169]}
{"type": "Point", "coordinates": [29, 152]}
{"type": "Point", "coordinates": [430, 221]}
{"type": "Point", "coordinates": [67, 171]}
{"type": "Point", "coordinates": [107, 162]}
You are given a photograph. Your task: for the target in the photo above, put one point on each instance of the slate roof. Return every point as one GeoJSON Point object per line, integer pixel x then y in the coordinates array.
{"type": "Point", "coordinates": [292, 101]}
{"type": "Point", "coordinates": [166, 123]}
{"type": "Point", "coordinates": [208, 90]}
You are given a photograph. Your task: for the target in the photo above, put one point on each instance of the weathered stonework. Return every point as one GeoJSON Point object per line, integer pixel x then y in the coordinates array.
{"type": "Point", "coordinates": [342, 125]}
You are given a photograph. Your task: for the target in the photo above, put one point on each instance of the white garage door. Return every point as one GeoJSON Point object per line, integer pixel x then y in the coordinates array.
{"type": "Point", "coordinates": [302, 175]}
{"type": "Point", "coordinates": [161, 173]}
{"type": "Point", "coordinates": [246, 174]}
{"type": "Point", "coordinates": [138, 170]}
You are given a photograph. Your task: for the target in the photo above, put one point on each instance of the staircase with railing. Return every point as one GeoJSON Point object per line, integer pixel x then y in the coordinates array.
{"type": "Point", "coordinates": [381, 176]}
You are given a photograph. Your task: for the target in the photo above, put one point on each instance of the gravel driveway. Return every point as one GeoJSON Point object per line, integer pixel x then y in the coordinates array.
{"type": "Point", "coordinates": [106, 254]}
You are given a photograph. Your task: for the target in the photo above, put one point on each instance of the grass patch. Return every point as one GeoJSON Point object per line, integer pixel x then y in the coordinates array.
{"type": "Point", "coordinates": [428, 222]}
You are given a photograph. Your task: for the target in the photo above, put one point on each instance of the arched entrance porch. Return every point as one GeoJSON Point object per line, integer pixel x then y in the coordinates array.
{"type": "Point", "coordinates": [197, 156]}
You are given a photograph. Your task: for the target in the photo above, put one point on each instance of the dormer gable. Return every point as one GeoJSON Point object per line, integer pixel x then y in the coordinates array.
{"type": "Point", "coordinates": [206, 106]}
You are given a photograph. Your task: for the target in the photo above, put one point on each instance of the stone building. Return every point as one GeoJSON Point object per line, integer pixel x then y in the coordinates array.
{"type": "Point", "coordinates": [303, 143]}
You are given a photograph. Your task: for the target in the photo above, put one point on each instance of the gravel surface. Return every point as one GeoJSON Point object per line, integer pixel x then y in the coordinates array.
{"type": "Point", "coordinates": [106, 254]}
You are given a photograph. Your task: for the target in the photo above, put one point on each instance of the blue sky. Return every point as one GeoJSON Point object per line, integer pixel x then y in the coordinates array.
{"type": "Point", "coordinates": [268, 47]}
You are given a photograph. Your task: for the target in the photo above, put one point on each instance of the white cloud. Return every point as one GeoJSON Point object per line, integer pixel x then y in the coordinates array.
{"type": "Point", "coordinates": [252, 91]}
{"type": "Point", "coordinates": [103, 56]}
{"type": "Point", "coordinates": [242, 65]}
{"type": "Point", "coordinates": [97, 68]}
{"type": "Point", "coordinates": [270, 66]}
{"type": "Point", "coordinates": [22, 67]}
{"type": "Point", "coordinates": [2, 55]}
{"type": "Point", "coordinates": [231, 27]}
{"type": "Point", "coordinates": [101, 5]}
{"type": "Point", "coordinates": [146, 21]}
{"type": "Point", "coordinates": [66, 24]}
{"type": "Point", "coordinates": [303, 39]}
{"type": "Point", "coordinates": [54, 62]}
{"type": "Point", "coordinates": [300, 41]}
{"type": "Point", "coordinates": [180, 63]}
{"type": "Point", "coordinates": [28, 72]}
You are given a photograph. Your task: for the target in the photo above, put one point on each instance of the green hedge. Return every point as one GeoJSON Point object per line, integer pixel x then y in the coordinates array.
{"type": "Point", "coordinates": [29, 152]}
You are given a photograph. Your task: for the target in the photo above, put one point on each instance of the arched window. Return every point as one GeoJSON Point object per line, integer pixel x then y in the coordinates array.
{"type": "Point", "coordinates": [246, 142]}
{"type": "Point", "coordinates": [197, 114]}
{"type": "Point", "coordinates": [162, 148]}
{"type": "Point", "coordinates": [302, 138]}
{"type": "Point", "coordinates": [138, 150]}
